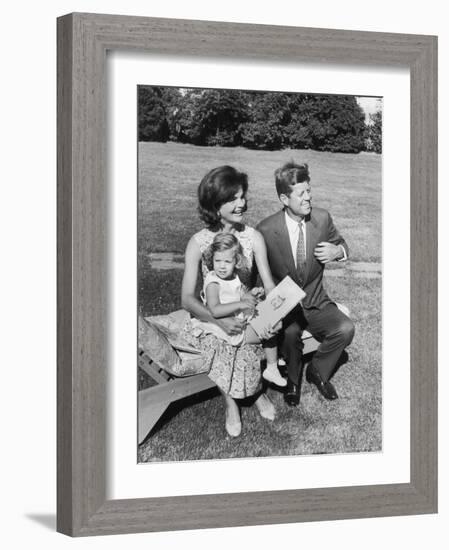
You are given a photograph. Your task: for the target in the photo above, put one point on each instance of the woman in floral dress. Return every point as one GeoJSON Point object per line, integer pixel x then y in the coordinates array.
{"type": "Point", "coordinates": [235, 370]}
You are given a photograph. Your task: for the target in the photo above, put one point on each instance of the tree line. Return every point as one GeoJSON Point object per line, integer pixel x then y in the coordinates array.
{"type": "Point", "coordinates": [256, 120]}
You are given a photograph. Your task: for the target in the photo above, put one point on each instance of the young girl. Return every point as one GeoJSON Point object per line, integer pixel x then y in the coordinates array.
{"type": "Point", "coordinates": [224, 295]}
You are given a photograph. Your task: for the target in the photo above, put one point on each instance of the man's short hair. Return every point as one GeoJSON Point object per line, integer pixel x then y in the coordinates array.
{"type": "Point", "coordinates": [290, 174]}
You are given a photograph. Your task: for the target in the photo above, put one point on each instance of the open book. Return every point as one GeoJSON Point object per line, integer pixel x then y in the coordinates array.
{"type": "Point", "coordinates": [280, 301]}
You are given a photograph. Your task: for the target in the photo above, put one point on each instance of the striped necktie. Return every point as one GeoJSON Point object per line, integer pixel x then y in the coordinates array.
{"type": "Point", "coordinates": [301, 254]}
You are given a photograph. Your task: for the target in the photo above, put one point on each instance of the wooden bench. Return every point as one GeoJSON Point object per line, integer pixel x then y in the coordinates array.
{"type": "Point", "coordinates": [167, 388]}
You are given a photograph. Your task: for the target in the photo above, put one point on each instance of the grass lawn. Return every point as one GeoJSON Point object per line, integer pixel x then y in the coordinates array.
{"type": "Point", "coordinates": [350, 187]}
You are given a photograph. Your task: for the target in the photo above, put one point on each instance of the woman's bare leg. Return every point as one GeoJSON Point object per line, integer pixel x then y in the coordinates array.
{"type": "Point", "coordinates": [233, 421]}
{"type": "Point", "coordinates": [265, 407]}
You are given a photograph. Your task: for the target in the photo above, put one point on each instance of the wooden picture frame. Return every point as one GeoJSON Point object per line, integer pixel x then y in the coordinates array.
{"type": "Point", "coordinates": [83, 40]}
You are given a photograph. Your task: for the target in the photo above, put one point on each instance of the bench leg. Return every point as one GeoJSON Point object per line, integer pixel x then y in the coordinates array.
{"type": "Point", "coordinates": [149, 414]}
{"type": "Point", "coordinates": [153, 401]}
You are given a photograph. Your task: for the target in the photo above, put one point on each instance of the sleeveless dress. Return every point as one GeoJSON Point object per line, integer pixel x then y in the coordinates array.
{"type": "Point", "coordinates": [229, 290]}
{"type": "Point", "coordinates": [235, 369]}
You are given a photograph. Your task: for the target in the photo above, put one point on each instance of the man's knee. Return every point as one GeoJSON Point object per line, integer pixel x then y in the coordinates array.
{"type": "Point", "coordinates": [347, 330]}
{"type": "Point", "coordinates": [292, 331]}
{"type": "Point", "coordinates": [293, 335]}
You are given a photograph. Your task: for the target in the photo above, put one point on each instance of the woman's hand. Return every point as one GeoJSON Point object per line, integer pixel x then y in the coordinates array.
{"type": "Point", "coordinates": [231, 325]}
{"type": "Point", "coordinates": [258, 292]}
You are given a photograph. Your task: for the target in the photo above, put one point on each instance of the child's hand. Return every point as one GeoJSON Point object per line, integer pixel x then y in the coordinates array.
{"type": "Point", "coordinates": [249, 298]}
{"type": "Point", "coordinates": [248, 311]}
{"type": "Point", "coordinates": [248, 304]}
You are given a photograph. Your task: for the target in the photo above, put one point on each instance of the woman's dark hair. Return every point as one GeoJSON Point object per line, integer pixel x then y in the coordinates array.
{"type": "Point", "coordinates": [221, 242]}
{"type": "Point", "coordinates": [218, 187]}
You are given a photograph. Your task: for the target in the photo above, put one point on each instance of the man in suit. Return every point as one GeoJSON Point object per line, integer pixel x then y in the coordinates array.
{"type": "Point", "coordinates": [300, 241]}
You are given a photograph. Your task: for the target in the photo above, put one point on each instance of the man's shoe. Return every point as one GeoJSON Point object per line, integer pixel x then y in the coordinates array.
{"type": "Point", "coordinates": [326, 389]}
{"type": "Point", "coordinates": [291, 396]}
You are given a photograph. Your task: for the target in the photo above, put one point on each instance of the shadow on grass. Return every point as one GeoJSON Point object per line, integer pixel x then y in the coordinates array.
{"type": "Point", "coordinates": [176, 407]}
{"type": "Point", "coordinates": [344, 358]}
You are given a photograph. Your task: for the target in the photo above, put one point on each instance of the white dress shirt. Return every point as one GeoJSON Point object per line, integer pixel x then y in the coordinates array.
{"type": "Point", "coordinates": [293, 233]}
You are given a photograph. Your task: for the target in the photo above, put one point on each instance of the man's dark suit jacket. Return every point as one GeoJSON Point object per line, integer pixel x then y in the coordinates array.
{"type": "Point", "coordinates": [319, 228]}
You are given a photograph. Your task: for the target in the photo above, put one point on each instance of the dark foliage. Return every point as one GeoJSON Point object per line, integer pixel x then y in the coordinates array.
{"type": "Point", "coordinates": [211, 117]}
{"type": "Point", "coordinates": [256, 120]}
{"type": "Point", "coordinates": [374, 133]}
{"type": "Point", "coordinates": [157, 109]}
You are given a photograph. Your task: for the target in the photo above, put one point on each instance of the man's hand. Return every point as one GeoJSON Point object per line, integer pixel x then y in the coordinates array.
{"type": "Point", "coordinates": [231, 325]}
{"type": "Point", "coordinates": [327, 252]}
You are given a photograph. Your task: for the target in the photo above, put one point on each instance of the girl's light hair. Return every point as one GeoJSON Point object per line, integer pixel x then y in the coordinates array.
{"type": "Point", "coordinates": [222, 242]}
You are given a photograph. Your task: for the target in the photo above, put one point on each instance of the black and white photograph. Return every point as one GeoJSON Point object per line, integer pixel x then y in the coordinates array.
{"type": "Point", "coordinates": [221, 230]}
{"type": "Point", "coordinates": [259, 273]}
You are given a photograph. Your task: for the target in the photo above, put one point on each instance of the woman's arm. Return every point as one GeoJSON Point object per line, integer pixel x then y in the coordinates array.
{"type": "Point", "coordinates": [260, 255]}
{"type": "Point", "coordinates": [190, 302]}
{"type": "Point", "coordinates": [191, 271]}
{"type": "Point", "coordinates": [218, 309]}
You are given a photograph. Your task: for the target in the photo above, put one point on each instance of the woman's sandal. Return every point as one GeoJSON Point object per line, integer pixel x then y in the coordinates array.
{"type": "Point", "coordinates": [233, 428]}
{"type": "Point", "coordinates": [265, 407]}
